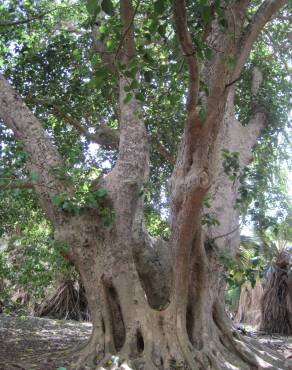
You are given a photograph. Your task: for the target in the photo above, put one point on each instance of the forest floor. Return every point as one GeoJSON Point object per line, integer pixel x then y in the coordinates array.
{"type": "Point", "coordinates": [31, 343]}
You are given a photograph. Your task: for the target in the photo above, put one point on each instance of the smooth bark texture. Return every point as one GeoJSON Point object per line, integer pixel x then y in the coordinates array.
{"type": "Point", "coordinates": [158, 304]}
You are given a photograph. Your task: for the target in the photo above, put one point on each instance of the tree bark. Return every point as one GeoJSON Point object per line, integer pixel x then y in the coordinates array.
{"type": "Point", "coordinates": [156, 304]}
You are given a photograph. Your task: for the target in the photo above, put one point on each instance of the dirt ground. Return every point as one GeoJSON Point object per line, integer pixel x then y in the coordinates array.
{"type": "Point", "coordinates": [36, 343]}
{"type": "Point", "coordinates": [30, 343]}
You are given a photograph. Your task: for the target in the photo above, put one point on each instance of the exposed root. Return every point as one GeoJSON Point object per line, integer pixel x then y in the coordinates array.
{"type": "Point", "coordinates": [250, 352]}
{"type": "Point", "coordinates": [88, 355]}
{"type": "Point", "coordinates": [241, 355]}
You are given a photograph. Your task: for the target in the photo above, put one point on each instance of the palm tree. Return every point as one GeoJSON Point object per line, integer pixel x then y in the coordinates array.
{"type": "Point", "coordinates": [268, 255]}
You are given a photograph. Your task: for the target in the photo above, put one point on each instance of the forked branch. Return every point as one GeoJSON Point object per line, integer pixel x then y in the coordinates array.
{"type": "Point", "coordinates": [264, 13]}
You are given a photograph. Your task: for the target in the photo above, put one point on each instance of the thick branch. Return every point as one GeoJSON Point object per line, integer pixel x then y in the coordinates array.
{"type": "Point", "coordinates": [153, 261]}
{"type": "Point", "coordinates": [127, 40]}
{"type": "Point", "coordinates": [43, 156]}
{"type": "Point", "coordinates": [253, 130]}
{"type": "Point", "coordinates": [132, 166]}
{"type": "Point", "coordinates": [126, 30]}
{"type": "Point", "coordinates": [189, 52]}
{"type": "Point", "coordinates": [162, 150]}
{"type": "Point", "coordinates": [224, 191]}
{"type": "Point", "coordinates": [133, 147]}
{"type": "Point", "coordinates": [104, 136]}
{"type": "Point", "coordinates": [258, 119]}
{"type": "Point", "coordinates": [251, 32]}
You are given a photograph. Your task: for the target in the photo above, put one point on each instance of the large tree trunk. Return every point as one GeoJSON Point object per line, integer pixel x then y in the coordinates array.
{"type": "Point", "coordinates": [158, 305]}
{"type": "Point", "coordinates": [125, 324]}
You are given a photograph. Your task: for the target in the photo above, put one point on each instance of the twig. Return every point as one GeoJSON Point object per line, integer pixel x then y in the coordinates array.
{"type": "Point", "coordinates": [22, 21]}
{"type": "Point", "coordinates": [229, 233]}
{"type": "Point", "coordinates": [27, 20]}
{"type": "Point", "coordinates": [233, 82]}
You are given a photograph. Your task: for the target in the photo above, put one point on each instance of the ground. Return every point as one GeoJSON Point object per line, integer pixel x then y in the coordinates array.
{"type": "Point", "coordinates": [34, 343]}
{"type": "Point", "coordinates": [43, 344]}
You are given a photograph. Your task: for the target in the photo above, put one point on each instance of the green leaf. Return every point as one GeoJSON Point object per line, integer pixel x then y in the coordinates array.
{"type": "Point", "coordinates": [92, 6]}
{"type": "Point", "coordinates": [206, 14]}
{"type": "Point", "coordinates": [110, 44]}
{"type": "Point", "coordinates": [128, 98]}
{"type": "Point", "coordinates": [76, 54]}
{"type": "Point", "coordinates": [148, 76]}
{"type": "Point", "coordinates": [127, 88]}
{"type": "Point", "coordinates": [108, 7]}
{"type": "Point", "coordinates": [208, 53]}
{"type": "Point", "coordinates": [202, 114]}
{"type": "Point", "coordinates": [132, 72]}
{"type": "Point", "coordinates": [161, 30]}
{"type": "Point", "coordinates": [153, 25]}
{"type": "Point", "coordinates": [34, 176]}
{"type": "Point", "coordinates": [99, 78]}
{"type": "Point", "coordinates": [140, 96]}
{"type": "Point", "coordinates": [134, 84]}
{"type": "Point", "coordinates": [59, 199]}
{"type": "Point", "coordinates": [159, 6]}
{"type": "Point", "coordinates": [97, 82]}
{"type": "Point", "coordinates": [230, 63]}
{"type": "Point", "coordinates": [101, 72]}
{"type": "Point", "coordinates": [100, 193]}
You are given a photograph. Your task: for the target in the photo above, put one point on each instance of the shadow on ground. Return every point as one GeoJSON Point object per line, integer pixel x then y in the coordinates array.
{"type": "Point", "coordinates": [36, 343]}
